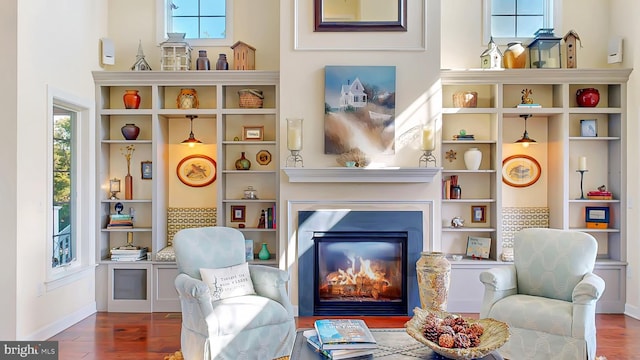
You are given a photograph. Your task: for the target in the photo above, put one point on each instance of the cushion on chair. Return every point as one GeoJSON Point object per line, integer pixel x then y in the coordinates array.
{"type": "Point", "coordinates": [535, 313]}
{"type": "Point", "coordinates": [228, 282]}
{"type": "Point", "coordinates": [549, 265]}
{"type": "Point", "coordinates": [248, 312]}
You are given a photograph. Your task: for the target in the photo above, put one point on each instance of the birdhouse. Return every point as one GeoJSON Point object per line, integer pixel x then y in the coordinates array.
{"type": "Point", "coordinates": [570, 40]}
{"type": "Point", "coordinates": [544, 50]}
{"type": "Point", "coordinates": [492, 57]}
{"type": "Point", "coordinates": [244, 56]}
{"type": "Point", "coordinates": [175, 53]}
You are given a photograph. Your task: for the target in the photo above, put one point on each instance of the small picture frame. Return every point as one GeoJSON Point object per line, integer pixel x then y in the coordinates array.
{"type": "Point", "coordinates": [146, 170]}
{"type": "Point", "coordinates": [596, 214]}
{"type": "Point", "coordinates": [478, 213]}
{"type": "Point", "coordinates": [478, 247]}
{"type": "Point", "coordinates": [252, 133]}
{"type": "Point", "coordinates": [589, 128]}
{"type": "Point", "coordinates": [238, 213]}
{"type": "Point", "coordinates": [248, 249]}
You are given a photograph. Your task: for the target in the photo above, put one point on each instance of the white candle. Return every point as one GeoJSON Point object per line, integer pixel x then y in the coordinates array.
{"type": "Point", "coordinates": [428, 140]}
{"type": "Point", "coordinates": [294, 134]}
{"type": "Point", "coordinates": [582, 163]}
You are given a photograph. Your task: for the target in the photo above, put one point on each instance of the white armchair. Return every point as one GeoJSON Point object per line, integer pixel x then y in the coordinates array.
{"type": "Point", "coordinates": [258, 326]}
{"type": "Point", "coordinates": [547, 296]}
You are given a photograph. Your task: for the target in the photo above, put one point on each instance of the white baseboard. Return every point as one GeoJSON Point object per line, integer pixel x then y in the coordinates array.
{"type": "Point", "coordinates": [54, 328]}
{"type": "Point", "coordinates": [632, 311]}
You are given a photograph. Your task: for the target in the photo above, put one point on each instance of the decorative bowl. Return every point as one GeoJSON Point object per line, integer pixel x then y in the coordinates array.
{"type": "Point", "coordinates": [495, 334]}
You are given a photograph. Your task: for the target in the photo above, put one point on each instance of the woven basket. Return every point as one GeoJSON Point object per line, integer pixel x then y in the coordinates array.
{"type": "Point", "coordinates": [496, 333]}
{"type": "Point", "coordinates": [250, 98]}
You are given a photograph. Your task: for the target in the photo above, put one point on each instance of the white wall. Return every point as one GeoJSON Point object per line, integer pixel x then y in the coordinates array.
{"type": "Point", "coordinates": [51, 51]}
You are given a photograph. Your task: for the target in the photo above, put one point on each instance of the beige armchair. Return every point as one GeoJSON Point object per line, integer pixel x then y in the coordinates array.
{"type": "Point", "coordinates": [547, 296]}
{"type": "Point", "coordinates": [239, 311]}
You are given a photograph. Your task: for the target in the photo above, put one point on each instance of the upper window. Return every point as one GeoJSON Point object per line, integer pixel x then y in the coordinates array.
{"type": "Point", "coordinates": [205, 22]}
{"type": "Point", "coordinates": [63, 241]}
{"type": "Point", "coordinates": [517, 20]}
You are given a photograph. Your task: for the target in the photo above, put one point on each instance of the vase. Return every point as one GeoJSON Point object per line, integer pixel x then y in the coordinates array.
{"type": "Point", "coordinates": [187, 99]}
{"type": "Point", "coordinates": [588, 97]}
{"type": "Point", "coordinates": [202, 63]}
{"type": "Point", "coordinates": [130, 131]}
{"type": "Point", "coordinates": [264, 253]}
{"type": "Point", "coordinates": [131, 99]}
{"type": "Point", "coordinates": [472, 158]}
{"type": "Point", "coordinates": [243, 163]}
{"type": "Point", "coordinates": [222, 63]}
{"type": "Point", "coordinates": [128, 187]}
{"type": "Point", "coordinates": [515, 57]}
{"type": "Point", "coordinates": [434, 271]}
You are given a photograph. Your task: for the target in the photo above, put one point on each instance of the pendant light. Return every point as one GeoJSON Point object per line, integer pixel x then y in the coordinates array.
{"type": "Point", "coordinates": [191, 141]}
{"type": "Point", "coordinates": [525, 140]}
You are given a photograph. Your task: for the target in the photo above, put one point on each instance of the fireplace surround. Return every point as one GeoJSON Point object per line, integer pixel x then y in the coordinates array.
{"type": "Point", "coordinates": [391, 241]}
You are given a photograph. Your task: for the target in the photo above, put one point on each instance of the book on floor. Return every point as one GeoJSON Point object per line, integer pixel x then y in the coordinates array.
{"type": "Point", "coordinates": [344, 334]}
{"type": "Point", "coordinates": [337, 354]}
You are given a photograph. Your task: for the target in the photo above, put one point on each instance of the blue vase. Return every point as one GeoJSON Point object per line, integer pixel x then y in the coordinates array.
{"type": "Point", "coordinates": [264, 253]}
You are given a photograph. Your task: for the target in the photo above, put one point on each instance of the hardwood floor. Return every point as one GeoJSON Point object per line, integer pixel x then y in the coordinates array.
{"type": "Point", "coordinates": [128, 336]}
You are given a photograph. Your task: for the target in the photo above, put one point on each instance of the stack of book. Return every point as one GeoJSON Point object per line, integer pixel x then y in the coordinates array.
{"type": "Point", "coordinates": [341, 338]}
{"type": "Point", "coordinates": [118, 254]}
{"type": "Point", "coordinates": [120, 221]}
{"type": "Point", "coordinates": [599, 195]}
{"type": "Point", "coordinates": [464, 137]}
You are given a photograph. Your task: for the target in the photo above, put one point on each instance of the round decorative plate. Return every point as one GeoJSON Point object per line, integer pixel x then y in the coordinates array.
{"type": "Point", "coordinates": [197, 170]}
{"type": "Point", "coordinates": [520, 170]}
{"type": "Point", "coordinates": [495, 334]}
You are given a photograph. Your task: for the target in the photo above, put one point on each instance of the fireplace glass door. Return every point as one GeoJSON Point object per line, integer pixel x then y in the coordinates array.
{"type": "Point", "coordinates": [360, 273]}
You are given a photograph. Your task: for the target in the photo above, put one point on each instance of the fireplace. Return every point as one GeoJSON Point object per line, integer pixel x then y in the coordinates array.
{"type": "Point", "coordinates": [358, 262]}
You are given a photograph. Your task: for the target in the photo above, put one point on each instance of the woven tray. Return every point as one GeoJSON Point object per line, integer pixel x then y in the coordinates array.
{"type": "Point", "coordinates": [496, 333]}
{"type": "Point", "coordinates": [250, 98]}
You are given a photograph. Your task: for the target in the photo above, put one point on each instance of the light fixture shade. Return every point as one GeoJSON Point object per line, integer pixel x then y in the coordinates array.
{"type": "Point", "coordinates": [191, 140]}
{"type": "Point", "coordinates": [525, 140]}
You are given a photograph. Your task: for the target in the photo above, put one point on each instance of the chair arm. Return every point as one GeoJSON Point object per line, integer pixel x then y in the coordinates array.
{"type": "Point", "coordinates": [498, 283]}
{"type": "Point", "coordinates": [194, 295]}
{"type": "Point", "coordinates": [588, 290]}
{"type": "Point", "coordinates": [271, 282]}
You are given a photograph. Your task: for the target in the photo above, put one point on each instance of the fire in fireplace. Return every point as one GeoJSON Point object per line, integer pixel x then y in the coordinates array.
{"type": "Point", "coordinates": [357, 270]}
{"type": "Point", "coordinates": [358, 262]}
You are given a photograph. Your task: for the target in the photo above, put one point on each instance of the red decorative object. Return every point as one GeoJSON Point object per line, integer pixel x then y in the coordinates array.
{"type": "Point", "coordinates": [128, 187]}
{"type": "Point", "coordinates": [131, 99]}
{"type": "Point", "coordinates": [588, 97]}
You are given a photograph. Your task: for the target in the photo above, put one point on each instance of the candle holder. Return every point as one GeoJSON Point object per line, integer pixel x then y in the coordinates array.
{"type": "Point", "coordinates": [294, 142]}
{"type": "Point", "coordinates": [114, 188]}
{"type": "Point", "coordinates": [581, 188]}
{"type": "Point", "coordinates": [295, 159]}
{"type": "Point", "coordinates": [426, 158]}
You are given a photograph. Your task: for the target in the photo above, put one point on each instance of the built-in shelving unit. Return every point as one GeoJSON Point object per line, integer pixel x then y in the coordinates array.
{"type": "Point", "coordinates": [147, 285]}
{"type": "Point", "coordinates": [499, 93]}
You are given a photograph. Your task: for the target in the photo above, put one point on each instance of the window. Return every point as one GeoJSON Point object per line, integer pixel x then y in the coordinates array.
{"type": "Point", "coordinates": [205, 22]}
{"type": "Point", "coordinates": [71, 221]}
{"type": "Point", "coordinates": [64, 247]}
{"type": "Point", "coordinates": [511, 20]}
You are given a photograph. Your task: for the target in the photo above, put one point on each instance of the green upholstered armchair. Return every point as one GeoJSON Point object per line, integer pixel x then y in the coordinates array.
{"type": "Point", "coordinates": [257, 326]}
{"type": "Point", "coordinates": [547, 296]}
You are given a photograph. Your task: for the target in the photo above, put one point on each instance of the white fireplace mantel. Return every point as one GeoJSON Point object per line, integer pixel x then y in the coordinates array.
{"type": "Point", "coordinates": [360, 175]}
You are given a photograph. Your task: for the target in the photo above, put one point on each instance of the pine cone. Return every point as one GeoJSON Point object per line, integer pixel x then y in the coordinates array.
{"type": "Point", "coordinates": [476, 328]}
{"type": "Point", "coordinates": [446, 341]}
{"type": "Point", "coordinates": [445, 329]}
{"type": "Point", "coordinates": [474, 340]}
{"type": "Point", "coordinates": [461, 340]}
{"type": "Point", "coordinates": [431, 333]}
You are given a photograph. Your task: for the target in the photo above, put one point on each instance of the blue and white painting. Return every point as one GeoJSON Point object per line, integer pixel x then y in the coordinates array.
{"type": "Point", "coordinates": [359, 109]}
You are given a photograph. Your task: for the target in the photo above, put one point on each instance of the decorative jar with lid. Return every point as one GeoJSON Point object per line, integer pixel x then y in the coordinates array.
{"type": "Point", "coordinates": [250, 193]}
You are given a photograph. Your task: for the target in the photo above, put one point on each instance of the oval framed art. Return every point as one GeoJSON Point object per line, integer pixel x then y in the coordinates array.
{"type": "Point", "coordinates": [197, 170]}
{"type": "Point", "coordinates": [520, 170]}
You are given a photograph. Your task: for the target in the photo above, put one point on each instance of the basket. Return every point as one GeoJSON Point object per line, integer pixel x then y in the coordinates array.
{"type": "Point", "coordinates": [496, 333]}
{"type": "Point", "coordinates": [465, 99]}
{"type": "Point", "coordinates": [250, 98]}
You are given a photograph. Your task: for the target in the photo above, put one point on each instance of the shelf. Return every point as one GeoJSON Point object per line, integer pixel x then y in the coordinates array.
{"type": "Point", "coordinates": [135, 229]}
{"type": "Point", "coordinates": [470, 142]}
{"type": "Point", "coordinates": [588, 201]}
{"type": "Point", "coordinates": [244, 172]}
{"type": "Point", "coordinates": [126, 201]}
{"type": "Point", "coordinates": [248, 201]}
{"type": "Point", "coordinates": [360, 175]}
{"type": "Point", "coordinates": [467, 229]}
{"type": "Point", "coordinates": [240, 142]}
{"type": "Point", "coordinates": [453, 201]}
{"type": "Point", "coordinates": [123, 141]}
{"type": "Point", "coordinates": [256, 230]}
{"type": "Point", "coordinates": [588, 230]}
{"type": "Point", "coordinates": [445, 171]}
{"type": "Point", "coordinates": [594, 138]}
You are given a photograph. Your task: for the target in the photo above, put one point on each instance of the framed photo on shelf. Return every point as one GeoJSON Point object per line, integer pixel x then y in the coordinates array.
{"type": "Point", "coordinates": [197, 170]}
{"type": "Point", "coordinates": [238, 213]}
{"type": "Point", "coordinates": [478, 247]}
{"type": "Point", "coordinates": [589, 128]}
{"type": "Point", "coordinates": [478, 213]}
{"type": "Point", "coordinates": [146, 169]}
{"type": "Point", "coordinates": [263, 157]}
{"type": "Point", "coordinates": [596, 216]}
{"type": "Point", "coordinates": [252, 133]}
